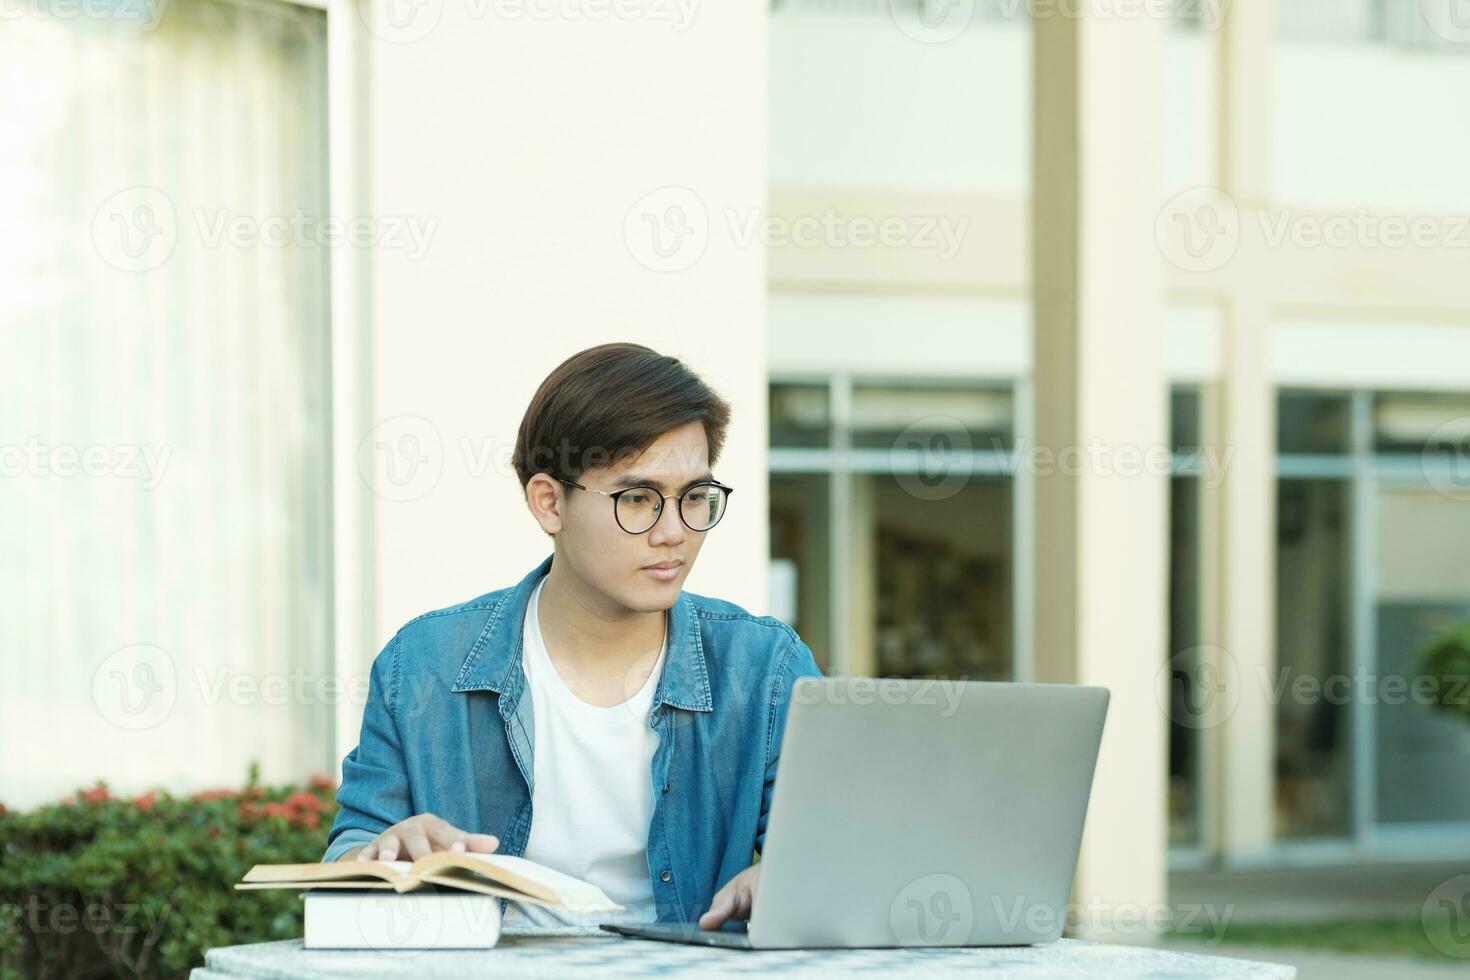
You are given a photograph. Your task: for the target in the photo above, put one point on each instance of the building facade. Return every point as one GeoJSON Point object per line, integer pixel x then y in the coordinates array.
{"type": "Point", "coordinates": [1222, 467]}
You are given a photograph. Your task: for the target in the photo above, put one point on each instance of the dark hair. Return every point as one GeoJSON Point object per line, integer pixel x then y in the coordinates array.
{"type": "Point", "coordinates": [612, 402]}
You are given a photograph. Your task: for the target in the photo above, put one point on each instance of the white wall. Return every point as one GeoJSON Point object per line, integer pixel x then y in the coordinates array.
{"type": "Point", "coordinates": [530, 141]}
{"type": "Point", "coordinates": [936, 336]}
{"type": "Point", "coordinates": [857, 103]}
{"type": "Point", "coordinates": [1192, 110]}
{"type": "Point", "coordinates": [1339, 353]}
{"type": "Point", "coordinates": [1371, 125]}
{"type": "Point", "coordinates": [922, 336]}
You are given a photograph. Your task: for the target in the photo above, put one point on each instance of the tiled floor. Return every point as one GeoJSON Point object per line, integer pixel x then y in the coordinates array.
{"type": "Point", "coordinates": [1312, 894]}
{"type": "Point", "coordinates": [1311, 965]}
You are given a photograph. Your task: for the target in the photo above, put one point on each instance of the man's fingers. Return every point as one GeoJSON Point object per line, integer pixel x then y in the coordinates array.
{"type": "Point", "coordinates": [438, 832]}
{"type": "Point", "coordinates": [416, 837]}
{"type": "Point", "coordinates": [735, 900]}
{"type": "Point", "coordinates": [719, 910]}
{"type": "Point", "coordinates": [743, 902]}
{"type": "Point", "coordinates": [417, 843]}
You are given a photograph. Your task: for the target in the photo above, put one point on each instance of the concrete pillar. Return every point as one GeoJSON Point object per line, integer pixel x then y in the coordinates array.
{"type": "Point", "coordinates": [1243, 566]}
{"type": "Point", "coordinates": [353, 601]}
{"type": "Point", "coordinates": [1100, 402]}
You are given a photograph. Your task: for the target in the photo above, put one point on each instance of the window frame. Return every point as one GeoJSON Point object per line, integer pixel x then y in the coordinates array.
{"type": "Point", "coordinates": [839, 461]}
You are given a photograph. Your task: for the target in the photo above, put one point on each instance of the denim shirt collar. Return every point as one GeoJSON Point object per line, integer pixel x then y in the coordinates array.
{"type": "Point", "coordinates": [494, 661]}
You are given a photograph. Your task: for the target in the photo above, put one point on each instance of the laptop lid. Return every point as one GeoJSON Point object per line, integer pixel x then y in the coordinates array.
{"type": "Point", "coordinates": [926, 813]}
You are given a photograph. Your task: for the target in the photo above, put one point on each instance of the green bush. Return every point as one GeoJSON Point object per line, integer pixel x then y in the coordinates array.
{"type": "Point", "coordinates": [96, 886]}
{"type": "Point", "coordinates": [1447, 661]}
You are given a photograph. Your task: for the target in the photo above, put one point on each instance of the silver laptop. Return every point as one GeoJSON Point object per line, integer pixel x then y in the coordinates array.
{"type": "Point", "coordinates": [919, 813]}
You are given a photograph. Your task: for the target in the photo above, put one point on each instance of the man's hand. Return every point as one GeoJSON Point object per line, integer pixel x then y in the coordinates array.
{"type": "Point", "coordinates": [413, 838]}
{"type": "Point", "coordinates": [733, 901]}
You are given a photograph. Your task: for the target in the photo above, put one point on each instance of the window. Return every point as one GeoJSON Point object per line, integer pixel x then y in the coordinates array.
{"type": "Point", "coordinates": [892, 525]}
{"type": "Point", "coordinates": [1436, 425]}
{"type": "Point", "coordinates": [942, 420]}
{"type": "Point", "coordinates": [1437, 24]}
{"type": "Point", "coordinates": [1421, 586]}
{"type": "Point", "coordinates": [164, 356]}
{"type": "Point", "coordinates": [800, 549]}
{"type": "Point", "coordinates": [1185, 638]}
{"type": "Point", "coordinates": [931, 10]}
{"type": "Point", "coordinates": [800, 416]}
{"type": "Point", "coordinates": [1373, 525]}
{"type": "Point", "coordinates": [1312, 422]}
{"type": "Point", "coordinates": [1313, 738]}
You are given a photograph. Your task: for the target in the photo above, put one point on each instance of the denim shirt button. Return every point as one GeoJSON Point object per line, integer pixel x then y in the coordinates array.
{"type": "Point", "coordinates": [665, 876]}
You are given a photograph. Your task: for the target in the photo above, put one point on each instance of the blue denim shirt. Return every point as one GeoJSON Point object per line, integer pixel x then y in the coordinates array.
{"type": "Point", "coordinates": [447, 729]}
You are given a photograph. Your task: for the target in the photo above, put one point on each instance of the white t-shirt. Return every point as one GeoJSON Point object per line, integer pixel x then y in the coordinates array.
{"type": "Point", "coordinates": [593, 791]}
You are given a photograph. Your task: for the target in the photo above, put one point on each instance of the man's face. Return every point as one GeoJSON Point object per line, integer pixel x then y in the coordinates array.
{"type": "Point", "coordinates": [615, 562]}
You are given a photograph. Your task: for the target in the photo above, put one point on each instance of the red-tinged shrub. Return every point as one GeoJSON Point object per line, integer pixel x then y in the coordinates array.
{"type": "Point", "coordinates": [141, 887]}
{"type": "Point", "coordinates": [306, 801]}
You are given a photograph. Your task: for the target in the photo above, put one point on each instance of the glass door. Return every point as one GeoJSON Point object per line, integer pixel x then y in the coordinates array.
{"type": "Point", "coordinates": [1421, 588]}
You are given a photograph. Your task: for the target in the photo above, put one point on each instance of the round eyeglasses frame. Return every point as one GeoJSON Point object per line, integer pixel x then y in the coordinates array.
{"type": "Point", "coordinates": [659, 513]}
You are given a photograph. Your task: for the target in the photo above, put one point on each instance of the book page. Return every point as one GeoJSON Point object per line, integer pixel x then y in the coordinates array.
{"type": "Point", "coordinates": [338, 873]}
{"type": "Point", "coordinates": [393, 872]}
{"type": "Point", "coordinates": [536, 881]}
{"type": "Point", "coordinates": [354, 885]}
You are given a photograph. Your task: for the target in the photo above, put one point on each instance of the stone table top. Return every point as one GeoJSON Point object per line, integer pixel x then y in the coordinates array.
{"type": "Point", "coordinates": [593, 953]}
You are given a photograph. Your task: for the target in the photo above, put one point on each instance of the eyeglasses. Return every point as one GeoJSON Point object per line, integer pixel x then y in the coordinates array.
{"type": "Point", "coordinates": [637, 509]}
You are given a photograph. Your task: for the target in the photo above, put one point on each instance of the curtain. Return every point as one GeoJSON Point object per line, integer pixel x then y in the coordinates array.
{"type": "Point", "coordinates": [164, 394]}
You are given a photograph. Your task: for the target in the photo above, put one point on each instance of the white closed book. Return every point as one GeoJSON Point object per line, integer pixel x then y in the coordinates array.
{"type": "Point", "coordinates": [408, 920]}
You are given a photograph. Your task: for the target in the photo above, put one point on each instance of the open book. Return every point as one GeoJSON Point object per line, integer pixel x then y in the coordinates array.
{"type": "Point", "coordinates": [488, 874]}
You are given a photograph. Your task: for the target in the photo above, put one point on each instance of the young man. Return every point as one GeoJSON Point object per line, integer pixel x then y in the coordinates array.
{"type": "Point", "coordinates": [593, 717]}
